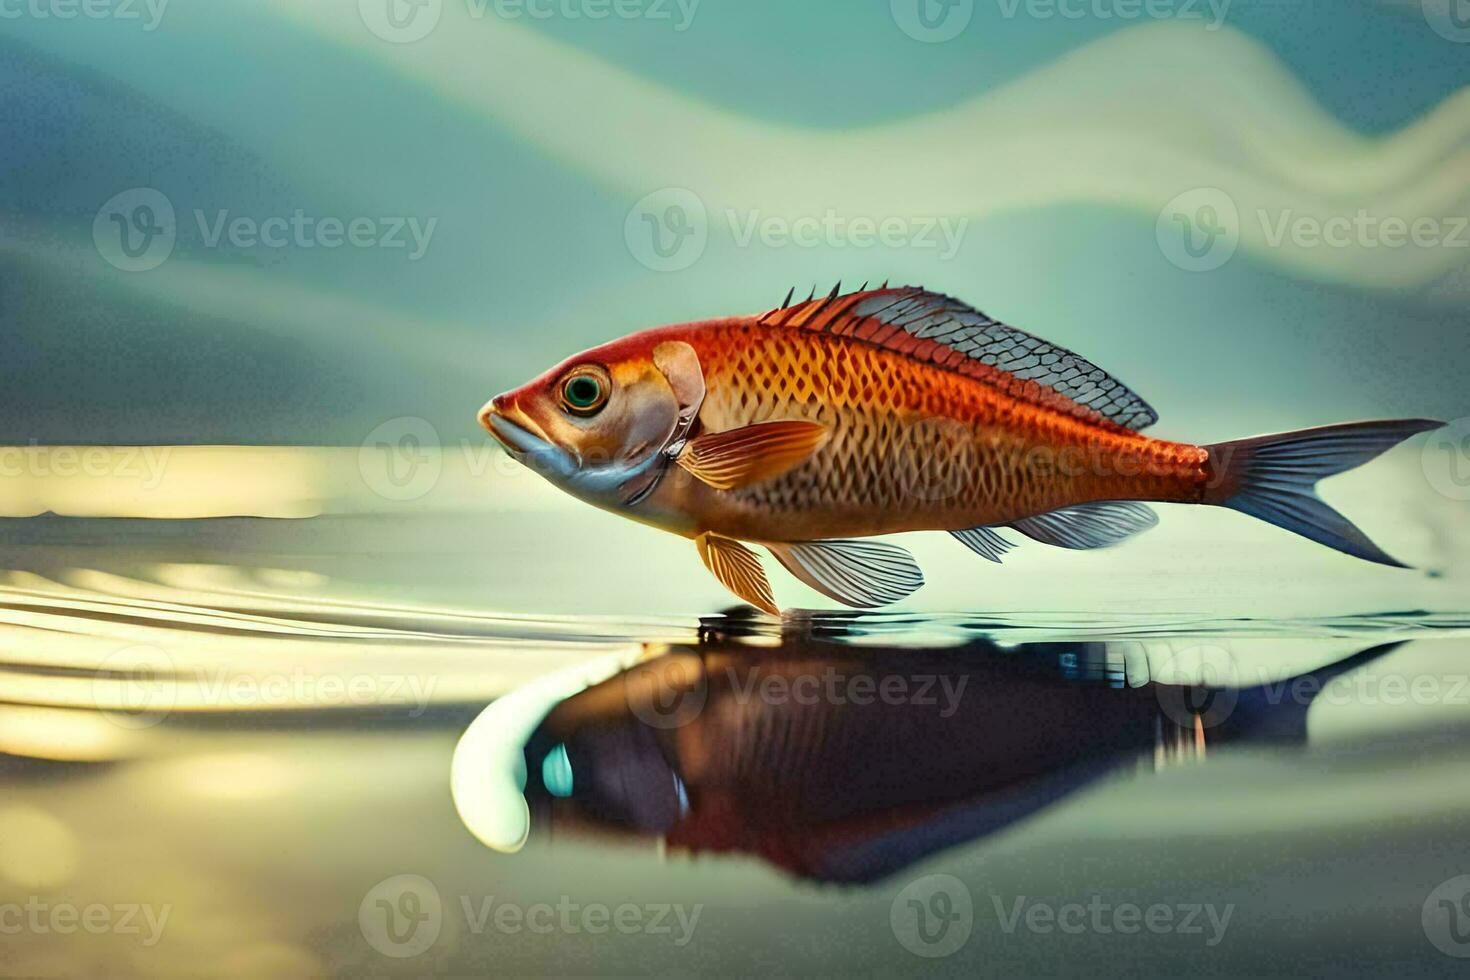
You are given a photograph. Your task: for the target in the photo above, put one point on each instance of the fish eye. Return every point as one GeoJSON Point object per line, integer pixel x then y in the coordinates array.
{"type": "Point", "coordinates": [584, 392]}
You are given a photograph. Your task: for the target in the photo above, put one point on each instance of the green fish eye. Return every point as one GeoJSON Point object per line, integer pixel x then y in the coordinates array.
{"type": "Point", "coordinates": [583, 393]}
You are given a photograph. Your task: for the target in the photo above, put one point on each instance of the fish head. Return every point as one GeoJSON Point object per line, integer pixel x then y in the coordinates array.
{"type": "Point", "coordinates": [597, 424]}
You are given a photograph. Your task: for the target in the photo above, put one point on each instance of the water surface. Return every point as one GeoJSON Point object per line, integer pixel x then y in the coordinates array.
{"type": "Point", "coordinates": [264, 746]}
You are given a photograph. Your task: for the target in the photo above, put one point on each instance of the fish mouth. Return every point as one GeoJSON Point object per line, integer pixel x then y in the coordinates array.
{"type": "Point", "coordinates": [522, 444]}
{"type": "Point", "coordinates": [516, 439]}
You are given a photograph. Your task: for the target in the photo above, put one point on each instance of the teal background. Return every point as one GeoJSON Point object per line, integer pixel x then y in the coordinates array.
{"type": "Point", "coordinates": [255, 109]}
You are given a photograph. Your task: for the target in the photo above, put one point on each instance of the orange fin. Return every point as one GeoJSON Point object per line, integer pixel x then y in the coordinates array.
{"type": "Point", "coordinates": [726, 460]}
{"type": "Point", "coordinates": [738, 570]}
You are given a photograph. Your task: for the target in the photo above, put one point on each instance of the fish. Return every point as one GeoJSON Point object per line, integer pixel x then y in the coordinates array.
{"type": "Point", "coordinates": [818, 425]}
{"type": "Point", "coordinates": [786, 750]}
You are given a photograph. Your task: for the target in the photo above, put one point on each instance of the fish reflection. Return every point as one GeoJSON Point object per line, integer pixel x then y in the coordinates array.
{"type": "Point", "coordinates": [850, 762]}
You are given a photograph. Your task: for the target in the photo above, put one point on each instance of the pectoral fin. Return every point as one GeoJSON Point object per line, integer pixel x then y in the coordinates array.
{"type": "Point", "coordinates": [855, 573]}
{"type": "Point", "coordinates": [738, 570]}
{"type": "Point", "coordinates": [726, 460]}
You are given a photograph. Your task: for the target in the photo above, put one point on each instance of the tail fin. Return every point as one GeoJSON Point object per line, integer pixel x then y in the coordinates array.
{"type": "Point", "coordinates": [1274, 477]}
{"type": "Point", "coordinates": [1265, 712]}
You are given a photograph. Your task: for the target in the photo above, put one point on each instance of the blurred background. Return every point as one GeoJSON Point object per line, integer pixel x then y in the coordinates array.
{"type": "Point", "coordinates": [261, 261]}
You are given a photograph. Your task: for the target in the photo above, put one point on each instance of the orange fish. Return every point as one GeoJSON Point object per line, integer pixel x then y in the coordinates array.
{"type": "Point", "coordinates": [820, 423]}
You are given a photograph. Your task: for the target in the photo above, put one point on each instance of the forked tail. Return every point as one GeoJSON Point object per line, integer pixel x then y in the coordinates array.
{"type": "Point", "coordinates": [1274, 477]}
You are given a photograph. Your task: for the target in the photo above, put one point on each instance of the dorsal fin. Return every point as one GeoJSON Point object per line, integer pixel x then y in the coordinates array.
{"type": "Point", "coordinates": [938, 330]}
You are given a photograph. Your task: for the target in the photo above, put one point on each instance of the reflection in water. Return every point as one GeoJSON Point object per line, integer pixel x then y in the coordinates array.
{"type": "Point", "coordinates": [846, 762]}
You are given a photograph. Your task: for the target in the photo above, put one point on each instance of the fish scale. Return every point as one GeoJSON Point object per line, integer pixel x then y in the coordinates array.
{"type": "Point", "coordinates": [912, 446]}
